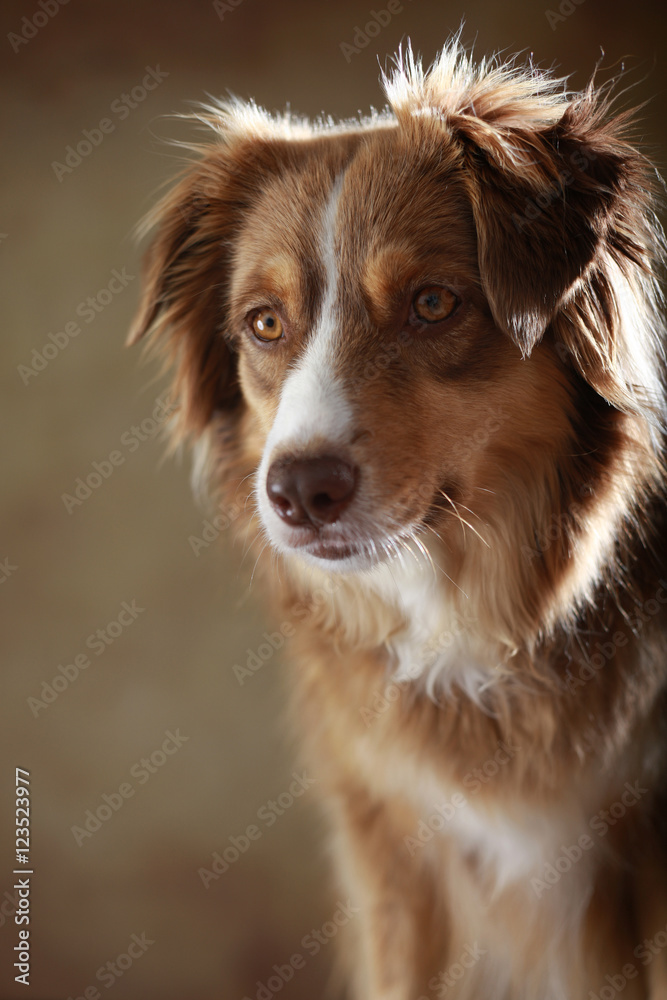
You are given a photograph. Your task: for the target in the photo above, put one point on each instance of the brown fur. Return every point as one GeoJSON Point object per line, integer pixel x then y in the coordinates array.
{"type": "Point", "coordinates": [524, 443]}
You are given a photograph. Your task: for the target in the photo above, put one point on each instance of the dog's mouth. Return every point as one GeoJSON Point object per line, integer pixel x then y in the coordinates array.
{"type": "Point", "coordinates": [326, 547]}
{"type": "Point", "coordinates": [333, 550]}
{"type": "Point", "coordinates": [342, 553]}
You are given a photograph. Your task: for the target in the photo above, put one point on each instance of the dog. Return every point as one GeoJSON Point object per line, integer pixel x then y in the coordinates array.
{"type": "Point", "coordinates": [423, 352]}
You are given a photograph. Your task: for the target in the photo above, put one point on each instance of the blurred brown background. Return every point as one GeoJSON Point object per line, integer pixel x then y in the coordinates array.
{"type": "Point", "coordinates": [69, 566]}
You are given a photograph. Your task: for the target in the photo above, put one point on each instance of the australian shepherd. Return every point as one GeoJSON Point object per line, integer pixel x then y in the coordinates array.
{"type": "Point", "coordinates": [423, 350]}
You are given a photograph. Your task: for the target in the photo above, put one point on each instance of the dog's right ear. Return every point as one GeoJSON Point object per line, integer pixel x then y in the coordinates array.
{"type": "Point", "coordinates": [185, 285]}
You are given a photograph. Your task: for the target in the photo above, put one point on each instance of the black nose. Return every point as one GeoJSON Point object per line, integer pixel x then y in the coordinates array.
{"type": "Point", "coordinates": [310, 490]}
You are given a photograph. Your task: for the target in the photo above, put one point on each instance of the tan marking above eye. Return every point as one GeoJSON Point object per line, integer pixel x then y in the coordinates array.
{"type": "Point", "coordinates": [433, 304]}
{"type": "Point", "coordinates": [267, 325]}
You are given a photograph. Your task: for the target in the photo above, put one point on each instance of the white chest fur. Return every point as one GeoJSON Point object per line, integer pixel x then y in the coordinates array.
{"type": "Point", "coordinates": [440, 646]}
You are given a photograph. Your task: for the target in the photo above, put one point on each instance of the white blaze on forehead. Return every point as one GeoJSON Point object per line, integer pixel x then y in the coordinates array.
{"type": "Point", "coordinates": [312, 402]}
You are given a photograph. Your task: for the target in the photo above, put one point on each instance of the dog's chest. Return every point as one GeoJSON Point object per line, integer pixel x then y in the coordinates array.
{"type": "Point", "coordinates": [466, 800]}
{"type": "Point", "coordinates": [439, 648]}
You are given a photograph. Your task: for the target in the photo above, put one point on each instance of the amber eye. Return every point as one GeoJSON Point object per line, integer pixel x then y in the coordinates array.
{"type": "Point", "coordinates": [433, 304]}
{"type": "Point", "coordinates": [266, 325]}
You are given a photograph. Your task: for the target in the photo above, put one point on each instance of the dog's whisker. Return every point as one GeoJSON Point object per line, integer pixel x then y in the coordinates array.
{"type": "Point", "coordinates": [259, 556]}
{"type": "Point", "coordinates": [473, 512]}
{"type": "Point", "coordinates": [463, 520]}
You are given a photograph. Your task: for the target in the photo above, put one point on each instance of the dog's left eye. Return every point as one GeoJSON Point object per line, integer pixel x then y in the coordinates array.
{"type": "Point", "coordinates": [433, 304]}
{"type": "Point", "coordinates": [266, 325]}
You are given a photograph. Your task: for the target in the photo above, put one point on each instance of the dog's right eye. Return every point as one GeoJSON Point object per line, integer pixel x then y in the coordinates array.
{"type": "Point", "coordinates": [434, 304]}
{"type": "Point", "coordinates": [267, 325]}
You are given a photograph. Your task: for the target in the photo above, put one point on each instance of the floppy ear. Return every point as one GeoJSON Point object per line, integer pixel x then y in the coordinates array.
{"type": "Point", "coordinates": [185, 283]}
{"type": "Point", "coordinates": [547, 204]}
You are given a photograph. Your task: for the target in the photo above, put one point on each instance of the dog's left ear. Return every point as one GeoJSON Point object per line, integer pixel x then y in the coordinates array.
{"type": "Point", "coordinates": [544, 201]}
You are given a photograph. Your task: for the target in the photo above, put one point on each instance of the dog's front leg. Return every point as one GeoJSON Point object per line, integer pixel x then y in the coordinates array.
{"type": "Point", "coordinates": [398, 936]}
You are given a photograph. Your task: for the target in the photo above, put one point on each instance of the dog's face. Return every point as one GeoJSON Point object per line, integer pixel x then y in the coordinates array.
{"type": "Point", "coordinates": [379, 385]}
{"type": "Point", "coordinates": [389, 324]}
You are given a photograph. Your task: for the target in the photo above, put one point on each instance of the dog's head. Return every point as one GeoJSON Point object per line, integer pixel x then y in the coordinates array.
{"type": "Point", "coordinates": [407, 323]}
